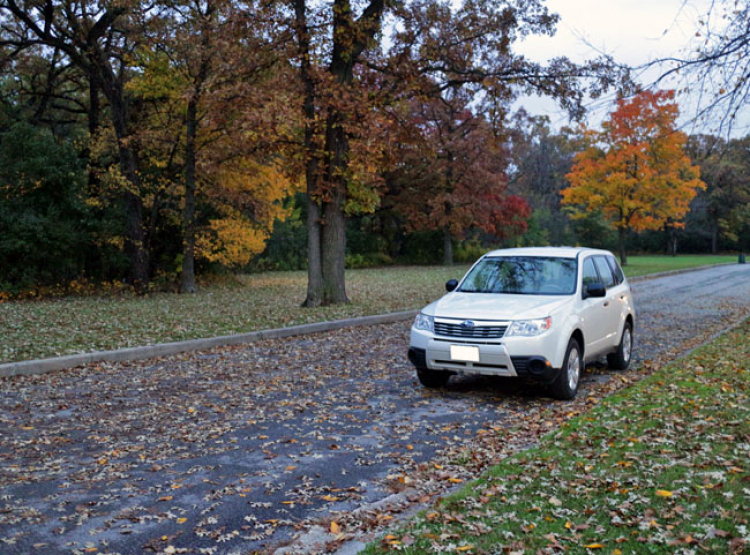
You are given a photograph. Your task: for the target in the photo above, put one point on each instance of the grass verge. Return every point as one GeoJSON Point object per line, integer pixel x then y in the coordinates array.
{"type": "Point", "coordinates": [53, 327]}
{"type": "Point", "coordinates": [661, 467]}
{"type": "Point", "coordinates": [642, 265]}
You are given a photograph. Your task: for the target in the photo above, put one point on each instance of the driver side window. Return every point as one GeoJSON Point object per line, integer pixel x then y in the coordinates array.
{"type": "Point", "coordinates": [589, 272]}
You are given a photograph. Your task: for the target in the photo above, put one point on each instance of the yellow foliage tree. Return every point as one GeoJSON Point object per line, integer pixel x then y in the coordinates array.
{"type": "Point", "coordinates": [249, 195]}
{"type": "Point", "coordinates": [230, 241]}
{"type": "Point", "coordinates": [636, 172]}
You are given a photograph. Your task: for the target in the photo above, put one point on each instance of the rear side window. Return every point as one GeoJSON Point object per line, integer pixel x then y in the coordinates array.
{"type": "Point", "coordinates": [604, 271]}
{"type": "Point", "coordinates": [616, 268]}
{"type": "Point", "coordinates": [589, 272]}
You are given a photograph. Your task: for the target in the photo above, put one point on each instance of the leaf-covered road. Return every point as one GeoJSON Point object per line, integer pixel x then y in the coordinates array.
{"type": "Point", "coordinates": [239, 449]}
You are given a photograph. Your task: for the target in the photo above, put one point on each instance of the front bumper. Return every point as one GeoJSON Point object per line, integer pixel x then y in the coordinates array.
{"type": "Point", "coordinates": [519, 357]}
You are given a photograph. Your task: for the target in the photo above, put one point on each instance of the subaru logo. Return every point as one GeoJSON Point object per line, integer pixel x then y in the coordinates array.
{"type": "Point", "coordinates": [467, 325]}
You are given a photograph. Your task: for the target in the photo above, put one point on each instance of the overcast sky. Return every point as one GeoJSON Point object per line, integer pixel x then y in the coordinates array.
{"type": "Point", "coordinates": [634, 32]}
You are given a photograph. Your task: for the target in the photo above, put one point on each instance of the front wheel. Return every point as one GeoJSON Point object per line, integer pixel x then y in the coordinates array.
{"type": "Point", "coordinates": [566, 385]}
{"type": "Point", "coordinates": [433, 379]}
{"type": "Point", "coordinates": [620, 359]}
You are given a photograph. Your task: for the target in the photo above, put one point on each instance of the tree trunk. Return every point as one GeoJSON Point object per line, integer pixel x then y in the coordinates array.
{"type": "Point", "coordinates": [187, 278]}
{"type": "Point", "coordinates": [327, 235]}
{"type": "Point", "coordinates": [94, 260]}
{"type": "Point", "coordinates": [333, 240]}
{"type": "Point", "coordinates": [315, 295]}
{"type": "Point", "coordinates": [621, 246]}
{"type": "Point", "coordinates": [134, 237]}
{"type": "Point", "coordinates": [333, 232]}
{"type": "Point", "coordinates": [715, 238]}
{"type": "Point", "coordinates": [447, 246]}
{"type": "Point", "coordinates": [314, 266]}
{"type": "Point", "coordinates": [447, 239]}
{"type": "Point", "coordinates": [671, 234]}
{"type": "Point", "coordinates": [93, 117]}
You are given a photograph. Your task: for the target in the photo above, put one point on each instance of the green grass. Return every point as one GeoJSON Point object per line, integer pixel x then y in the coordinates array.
{"type": "Point", "coordinates": [642, 265]}
{"type": "Point", "coordinates": [51, 327]}
{"type": "Point", "coordinates": [663, 467]}
{"type": "Point", "coordinates": [44, 328]}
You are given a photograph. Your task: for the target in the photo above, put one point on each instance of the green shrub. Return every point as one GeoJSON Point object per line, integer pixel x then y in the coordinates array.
{"type": "Point", "coordinates": [368, 260]}
{"type": "Point", "coordinates": [469, 251]}
{"type": "Point", "coordinates": [43, 218]}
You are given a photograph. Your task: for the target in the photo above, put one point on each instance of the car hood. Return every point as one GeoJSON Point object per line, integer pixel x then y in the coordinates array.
{"type": "Point", "coordinates": [494, 306]}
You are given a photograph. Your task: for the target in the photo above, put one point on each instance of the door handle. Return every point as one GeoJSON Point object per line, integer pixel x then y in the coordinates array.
{"type": "Point", "coordinates": [606, 303]}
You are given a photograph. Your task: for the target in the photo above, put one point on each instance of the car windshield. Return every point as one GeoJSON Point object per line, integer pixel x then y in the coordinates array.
{"type": "Point", "coordinates": [522, 275]}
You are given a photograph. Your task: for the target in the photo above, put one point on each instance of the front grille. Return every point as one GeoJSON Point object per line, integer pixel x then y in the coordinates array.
{"type": "Point", "coordinates": [477, 332]}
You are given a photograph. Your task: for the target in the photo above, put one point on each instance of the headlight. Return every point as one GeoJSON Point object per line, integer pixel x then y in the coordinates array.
{"type": "Point", "coordinates": [424, 322]}
{"type": "Point", "coordinates": [529, 328]}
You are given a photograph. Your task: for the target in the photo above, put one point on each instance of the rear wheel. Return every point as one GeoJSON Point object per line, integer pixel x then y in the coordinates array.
{"type": "Point", "coordinates": [566, 384]}
{"type": "Point", "coordinates": [620, 359]}
{"type": "Point", "coordinates": [433, 378]}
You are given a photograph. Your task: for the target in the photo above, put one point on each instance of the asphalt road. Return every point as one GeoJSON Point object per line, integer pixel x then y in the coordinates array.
{"type": "Point", "coordinates": [241, 449]}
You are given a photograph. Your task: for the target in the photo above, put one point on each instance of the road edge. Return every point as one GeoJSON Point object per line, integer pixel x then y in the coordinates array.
{"type": "Point", "coordinates": [42, 366]}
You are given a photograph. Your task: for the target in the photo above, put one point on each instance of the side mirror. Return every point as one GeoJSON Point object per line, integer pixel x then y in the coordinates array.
{"type": "Point", "coordinates": [594, 290]}
{"type": "Point", "coordinates": [451, 284]}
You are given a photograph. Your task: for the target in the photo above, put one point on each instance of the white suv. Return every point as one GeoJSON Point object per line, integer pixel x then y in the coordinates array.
{"type": "Point", "coordinates": [532, 312]}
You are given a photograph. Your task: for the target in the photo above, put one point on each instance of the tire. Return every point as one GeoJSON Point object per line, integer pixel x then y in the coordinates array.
{"type": "Point", "coordinates": [566, 385]}
{"type": "Point", "coordinates": [433, 379]}
{"type": "Point", "coordinates": [620, 359]}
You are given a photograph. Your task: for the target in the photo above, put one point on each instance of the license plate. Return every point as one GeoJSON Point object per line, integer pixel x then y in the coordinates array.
{"type": "Point", "coordinates": [465, 353]}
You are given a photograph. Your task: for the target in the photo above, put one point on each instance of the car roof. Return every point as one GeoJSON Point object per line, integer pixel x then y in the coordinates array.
{"type": "Point", "coordinates": [560, 252]}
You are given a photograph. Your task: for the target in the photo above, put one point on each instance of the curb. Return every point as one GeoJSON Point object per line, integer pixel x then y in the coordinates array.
{"type": "Point", "coordinates": [42, 366]}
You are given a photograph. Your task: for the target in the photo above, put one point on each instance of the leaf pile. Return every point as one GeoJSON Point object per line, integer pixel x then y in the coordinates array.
{"type": "Point", "coordinates": [661, 467]}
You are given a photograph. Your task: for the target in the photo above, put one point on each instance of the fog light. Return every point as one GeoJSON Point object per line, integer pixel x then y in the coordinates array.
{"type": "Point", "coordinates": [538, 365]}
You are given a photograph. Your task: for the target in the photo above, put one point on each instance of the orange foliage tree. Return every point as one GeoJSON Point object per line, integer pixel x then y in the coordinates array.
{"type": "Point", "coordinates": [635, 172]}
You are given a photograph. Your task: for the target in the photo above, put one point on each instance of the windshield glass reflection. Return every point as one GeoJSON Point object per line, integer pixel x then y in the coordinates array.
{"type": "Point", "coordinates": [522, 275]}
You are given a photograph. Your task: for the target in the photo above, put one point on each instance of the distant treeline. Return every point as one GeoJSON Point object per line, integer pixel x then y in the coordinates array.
{"type": "Point", "coordinates": [145, 143]}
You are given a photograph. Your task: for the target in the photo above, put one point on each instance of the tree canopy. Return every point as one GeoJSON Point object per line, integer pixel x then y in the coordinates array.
{"type": "Point", "coordinates": [211, 136]}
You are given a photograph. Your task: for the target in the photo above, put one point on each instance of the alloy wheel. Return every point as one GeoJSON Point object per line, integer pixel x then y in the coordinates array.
{"type": "Point", "coordinates": [574, 369]}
